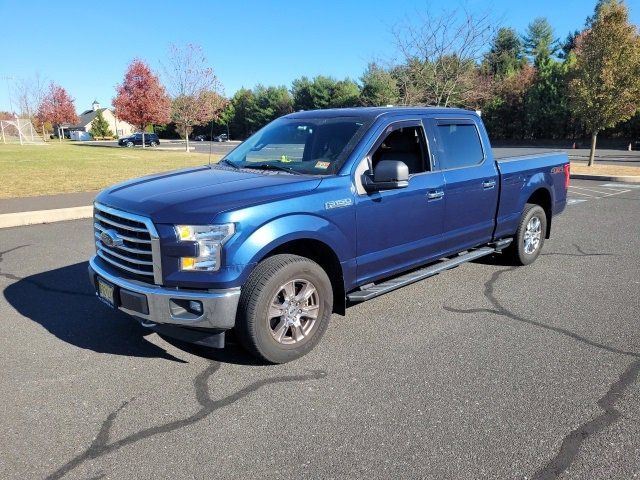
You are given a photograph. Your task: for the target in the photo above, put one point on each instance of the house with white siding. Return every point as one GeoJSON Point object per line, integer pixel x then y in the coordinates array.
{"type": "Point", "coordinates": [119, 127]}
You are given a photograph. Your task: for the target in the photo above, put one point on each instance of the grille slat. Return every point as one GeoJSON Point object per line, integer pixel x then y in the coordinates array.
{"type": "Point", "coordinates": [126, 248]}
{"type": "Point", "coordinates": [119, 265]}
{"type": "Point", "coordinates": [113, 253]}
{"type": "Point", "coordinates": [139, 252]}
{"type": "Point", "coordinates": [101, 228]}
{"type": "Point", "coordinates": [120, 225]}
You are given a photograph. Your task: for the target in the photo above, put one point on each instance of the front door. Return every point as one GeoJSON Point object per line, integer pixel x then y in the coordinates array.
{"type": "Point", "coordinates": [400, 228]}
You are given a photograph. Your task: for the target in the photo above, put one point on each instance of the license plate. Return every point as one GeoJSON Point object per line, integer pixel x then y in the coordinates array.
{"type": "Point", "coordinates": [105, 292]}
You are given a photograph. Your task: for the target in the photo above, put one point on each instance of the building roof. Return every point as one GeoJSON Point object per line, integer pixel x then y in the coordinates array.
{"type": "Point", "coordinates": [86, 117]}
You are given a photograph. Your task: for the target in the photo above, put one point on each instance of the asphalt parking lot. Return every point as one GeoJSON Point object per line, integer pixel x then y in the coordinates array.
{"type": "Point", "coordinates": [485, 371]}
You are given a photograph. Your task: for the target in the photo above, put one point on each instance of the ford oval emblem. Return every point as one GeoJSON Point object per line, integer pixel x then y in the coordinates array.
{"type": "Point", "coordinates": [110, 238]}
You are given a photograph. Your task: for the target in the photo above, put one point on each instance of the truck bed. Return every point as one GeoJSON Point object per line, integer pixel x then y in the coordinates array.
{"type": "Point", "coordinates": [503, 153]}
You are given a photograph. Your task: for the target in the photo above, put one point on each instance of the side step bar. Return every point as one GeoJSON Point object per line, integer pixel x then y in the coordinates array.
{"type": "Point", "coordinates": [374, 290]}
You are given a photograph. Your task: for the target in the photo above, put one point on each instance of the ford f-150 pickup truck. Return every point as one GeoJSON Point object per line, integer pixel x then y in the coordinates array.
{"type": "Point", "coordinates": [316, 211]}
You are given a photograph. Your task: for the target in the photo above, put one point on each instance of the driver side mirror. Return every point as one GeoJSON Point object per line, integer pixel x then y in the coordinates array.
{"type": "Point", "coordinates": [388, 175]}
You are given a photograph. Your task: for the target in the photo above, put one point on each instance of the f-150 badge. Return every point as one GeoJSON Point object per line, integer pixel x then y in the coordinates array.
{"type": "Point", "coordinates": [343, 202]}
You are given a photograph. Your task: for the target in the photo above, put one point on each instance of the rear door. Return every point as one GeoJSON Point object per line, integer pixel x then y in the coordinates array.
{"type": "Point", "coordinates": [471, 181]}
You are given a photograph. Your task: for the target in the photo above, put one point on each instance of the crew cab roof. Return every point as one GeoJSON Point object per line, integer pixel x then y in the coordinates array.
{"type": "Point", "coordinates": [372, 113]}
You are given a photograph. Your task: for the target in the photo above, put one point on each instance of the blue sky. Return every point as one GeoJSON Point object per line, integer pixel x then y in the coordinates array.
{"type": "Point", "coordinates": [85, 47]}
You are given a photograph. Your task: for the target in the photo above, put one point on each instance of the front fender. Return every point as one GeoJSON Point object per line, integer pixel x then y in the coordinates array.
{"type": "Point", "coordinates": [287, 228]}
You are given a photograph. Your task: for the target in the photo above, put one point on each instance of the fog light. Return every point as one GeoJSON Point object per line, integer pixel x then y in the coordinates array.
{"type": "Point", "coordinates": [195, 306]}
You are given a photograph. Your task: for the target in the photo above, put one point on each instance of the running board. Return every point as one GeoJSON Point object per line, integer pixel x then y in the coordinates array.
{"type": "Point", "coordinates": [370, 291]}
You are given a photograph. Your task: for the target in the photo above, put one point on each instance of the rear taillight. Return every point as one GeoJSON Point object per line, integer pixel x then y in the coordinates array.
{"type": "Point", "coordinates": [567, 176]}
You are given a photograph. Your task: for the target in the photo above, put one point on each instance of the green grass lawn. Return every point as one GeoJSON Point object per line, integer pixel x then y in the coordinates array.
{"type": "Point", "coordinates": [31, 170]}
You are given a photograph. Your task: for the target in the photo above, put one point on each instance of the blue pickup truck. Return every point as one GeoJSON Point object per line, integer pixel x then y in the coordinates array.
{"type": "Point", "coordinates": [316, 211]}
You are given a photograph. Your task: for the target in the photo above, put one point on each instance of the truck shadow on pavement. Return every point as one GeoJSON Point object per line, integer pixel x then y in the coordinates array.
{"type": "Point", "coordinates": [63, 302]}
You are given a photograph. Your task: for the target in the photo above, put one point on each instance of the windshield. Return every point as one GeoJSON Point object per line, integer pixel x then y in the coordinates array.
{"type": "Point", "coordinates": [312, 146]}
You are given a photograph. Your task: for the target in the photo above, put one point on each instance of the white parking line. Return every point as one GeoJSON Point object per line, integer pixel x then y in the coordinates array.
{"type": "Point", "coordinates": [591, 190]}
{"type": "Point", "coordinates": [621, 185]}
{"type": "Point", "coordinates": [585, 194]}
{"type": "Point", "coordinates": [612, 189]}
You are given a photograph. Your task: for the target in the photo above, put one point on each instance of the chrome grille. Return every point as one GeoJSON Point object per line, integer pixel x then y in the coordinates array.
{"type": "Point", "coordinates": [138, 248]}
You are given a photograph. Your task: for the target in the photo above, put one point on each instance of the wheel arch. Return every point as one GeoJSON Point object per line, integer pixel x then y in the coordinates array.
{"type": "Point", "coordinates": [323, 255]}
{"type": "Point", "coordinates": [542, 197]}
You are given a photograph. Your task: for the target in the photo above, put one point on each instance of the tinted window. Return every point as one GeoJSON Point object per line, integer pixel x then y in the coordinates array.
{"type": "Point", "coordinates": [459, 145]}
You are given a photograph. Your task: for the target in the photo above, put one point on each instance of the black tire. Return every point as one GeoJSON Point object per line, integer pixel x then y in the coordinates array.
{"type": "Point", "coordinates": [257, 332]}
{"type": "Point", "coordinates": [153, 144]}
{"type": "Point", "coordinates": [517, 252]}
{"type": "Point", "coordinates": [130, 144]}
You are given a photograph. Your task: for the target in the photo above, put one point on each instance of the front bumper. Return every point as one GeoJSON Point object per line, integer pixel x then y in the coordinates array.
{"type": "Point", "coordinates": [158, 305]}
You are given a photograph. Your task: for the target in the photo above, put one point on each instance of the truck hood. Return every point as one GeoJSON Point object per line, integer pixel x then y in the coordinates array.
{"type": "Point", "coordinates": [197, 195]}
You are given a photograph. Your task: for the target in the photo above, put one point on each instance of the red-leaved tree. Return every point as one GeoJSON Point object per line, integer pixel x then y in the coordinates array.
{"type": "Point", "coordinates": [57, 108]}
{"type": "Point", "coordinates": [141, 99]}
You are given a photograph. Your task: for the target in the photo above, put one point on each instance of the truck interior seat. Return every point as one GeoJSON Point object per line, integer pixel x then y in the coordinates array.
{"type": "Point", "coordinates": [402, 145]}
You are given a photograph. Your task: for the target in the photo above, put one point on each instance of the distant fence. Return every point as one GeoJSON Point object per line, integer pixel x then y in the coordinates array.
{"type": "Point", "coordinates": [20, 131]}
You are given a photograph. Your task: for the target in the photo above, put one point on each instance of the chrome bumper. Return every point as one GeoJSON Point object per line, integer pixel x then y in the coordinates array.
{"type": "Point", "coordinates": [164, 304]}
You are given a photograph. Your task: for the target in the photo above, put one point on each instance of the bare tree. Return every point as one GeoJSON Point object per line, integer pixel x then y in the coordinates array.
{"type": "Point", "coordinates": [195, 89]}
{"type": "Point", "coordinates": [439, 55]}
{"type": "Point", "coordinates": [28, 94]}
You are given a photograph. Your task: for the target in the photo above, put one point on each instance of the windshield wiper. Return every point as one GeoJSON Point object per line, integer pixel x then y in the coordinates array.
{"type": "Point", "coordinates": [230, 163]}
{"type": "Point", "coordinates": [270, 166]}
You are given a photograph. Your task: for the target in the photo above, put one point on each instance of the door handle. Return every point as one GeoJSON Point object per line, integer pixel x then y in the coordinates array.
{"type": "Point", "coordinates": [488, 184]}
{"type": "Point", "coordinates": [435, 195]}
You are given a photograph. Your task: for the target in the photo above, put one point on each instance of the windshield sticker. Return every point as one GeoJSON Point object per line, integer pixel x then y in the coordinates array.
{"type": "Point", "coordinates": [323, 165]}
{"type": "Point", "coordinates": [285, 159]}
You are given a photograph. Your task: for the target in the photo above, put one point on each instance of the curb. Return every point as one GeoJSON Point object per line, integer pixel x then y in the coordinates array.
{"type": "Point", "coordinates": [21, 219]}
{"type": "Point", "coordinates": [607, 178]}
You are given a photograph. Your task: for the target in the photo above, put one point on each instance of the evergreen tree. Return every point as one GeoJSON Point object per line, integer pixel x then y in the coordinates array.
{"type": "Point", "coordinates": [378, 87]}
{"type": "Point", "coordinates": [100, 127]}
{"type": "Point", "coordinates": [506, 55]}
{"type": "Point", "coordinates": [539, 42]}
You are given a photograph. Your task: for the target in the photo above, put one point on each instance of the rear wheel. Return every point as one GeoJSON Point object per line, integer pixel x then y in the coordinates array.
{"type": "Point", "coordinates": [154, 143]}
{"type": "Point", "coordinates": [284, 308]}
{"type": "Point", "coordinates": [530, 235]}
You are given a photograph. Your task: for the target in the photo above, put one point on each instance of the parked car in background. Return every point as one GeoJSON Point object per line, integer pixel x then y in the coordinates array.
{"type": "Point", "coordinates": [223, 137]}
{"type": "Point", "coordinates": [150, 139]}
{"type": "Point", "coordinates": [200, 138]}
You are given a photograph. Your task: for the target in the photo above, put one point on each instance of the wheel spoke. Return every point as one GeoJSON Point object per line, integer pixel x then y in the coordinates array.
{"type": "Point", "coordinates": [289, 290]}
{"type": "Point", "coordinates": [306, 292]}
{"type": "Point", "coordinates": [310, 311]}
{"type": "Point", "coordinates": [280, 330]}
{"type": "Point", "coordinates": [275, 310]}
{"type": "Point", "coordinates": [296, 331]}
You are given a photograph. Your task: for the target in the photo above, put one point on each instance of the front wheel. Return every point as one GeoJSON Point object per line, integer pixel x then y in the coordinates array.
{"type": "Point", "coordinates": [154, 144]}
{"type": "Point", "coordinates": [130, 144]}
{"type": "Point", "coordinates": [530, 235]}
{"type": "Point", "coordinates": [284, 308]}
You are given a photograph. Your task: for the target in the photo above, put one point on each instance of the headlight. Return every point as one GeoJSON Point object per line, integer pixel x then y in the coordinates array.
{"type": "Point", "coordinates": [210, 239]}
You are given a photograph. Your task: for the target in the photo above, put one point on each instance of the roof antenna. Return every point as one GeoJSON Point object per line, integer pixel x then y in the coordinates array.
{"type": "Point", "coordinates": [210, 142]}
